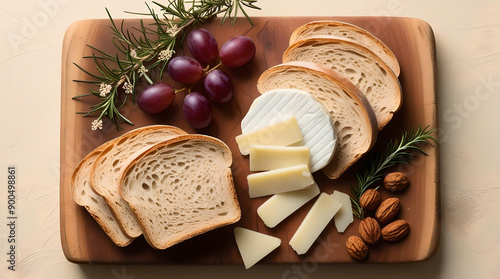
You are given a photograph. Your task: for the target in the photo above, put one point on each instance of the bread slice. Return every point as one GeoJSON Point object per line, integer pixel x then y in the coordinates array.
{"type": "Point", "coordinates": [337, 29]}
{"type": "Point", "coordinates": [94, 203]}
{"type": "Point", "coordinates": [109, 166]}
{"type": "Point", "coordinates": [181, 188]}
{"type": "Point", "coordinates": [363, 68]}
{"type": "Point", "coordinates": [353, 118]}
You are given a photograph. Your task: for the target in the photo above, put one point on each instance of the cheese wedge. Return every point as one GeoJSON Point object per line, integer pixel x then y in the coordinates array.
{"type": "Point", "coordinates": [254, 246]}
{"type": "Point", "coordinates": [279, 181]}
{"type": "Point", "coordinates": [264, 158]}
{"type": "Point", "coordinates": [312, 117]}
{"type": "Point", "coordinates": [279, 132]}
{"type": "Point", "coordinates": [344, 216]}
{"type": "Point", "coordinates": [280, 206]}
{"type": "Point", "coordinates": [320, 214]}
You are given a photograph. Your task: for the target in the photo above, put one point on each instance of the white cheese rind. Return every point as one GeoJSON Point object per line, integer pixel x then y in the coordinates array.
{"type": "Point", "coordinates": [264, 158]}
{"type": "Point", "coordinates": [279, 181]}
{"type": "Point", "coordinates": [280, 206]}
{"type": "Point", "coordinates": [282, 132]}
{"type": "Point", "coordinates": [314, 121]}
{"type": "Point", "coordinates": [344, 217]}
{"type": "Point", "coordinates": [254, 246]}
{"type": "Point", "coordinates": [316, 220]}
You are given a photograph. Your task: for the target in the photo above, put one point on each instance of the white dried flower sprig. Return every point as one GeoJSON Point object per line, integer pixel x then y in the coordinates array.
{"type": "Point", "coordinates": [142, 70]}
{"type": "Point", "coordinates": [129, 89]}
{"type": "Point", "coordinates": [143, 73]}
{"type": "Point", "coordinates": [165, 54]}
{"type": "Point", "coordinates": [104, 89]}
{"type": "Point", "coordinates": [96, 124]}
{"type": "Point", "coordinates": [133, 53]}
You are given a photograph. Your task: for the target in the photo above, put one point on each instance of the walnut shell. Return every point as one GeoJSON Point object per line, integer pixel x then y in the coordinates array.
{"type": "Point", "coordinates": [369, 230]}
{"type": "Point", "coordinates": [356, 247]}
{"type": "Point", "coordinates": [396, 181]}
{"type": "Point", "coordinates": [387, 210]}
{"type": "Point", "coordinates": [396, 230]}
{"type": "Point", "coordinates": [370, 199]}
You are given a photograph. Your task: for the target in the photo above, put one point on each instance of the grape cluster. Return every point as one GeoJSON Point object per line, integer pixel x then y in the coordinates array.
{"type": "Point", "coordinates": [219, 87]}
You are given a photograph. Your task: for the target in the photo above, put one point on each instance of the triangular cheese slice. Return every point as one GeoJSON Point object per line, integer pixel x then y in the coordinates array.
{"type": "Point", "coordinates": [344, 217]}
{"type": "Point", "coordinates": [253, 245]}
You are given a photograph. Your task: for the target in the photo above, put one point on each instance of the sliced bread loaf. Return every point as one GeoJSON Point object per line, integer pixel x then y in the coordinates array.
{"type": "Point", "coordinates": [93, 202]}
{"type": "Point", "coordinates": [347, 31]}
{"type": "Point", "coordinates": [109, 166]}
{"type": "Point", "coordinates": [181, 188]}
{"type": "Point", "coordinates": [360, 65]}
{"type": "Point", "coordinates": [353, 118]}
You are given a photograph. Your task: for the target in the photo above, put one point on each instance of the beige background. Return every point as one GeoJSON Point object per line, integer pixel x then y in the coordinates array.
{"type": "Point", "coordinates": [468, 50]}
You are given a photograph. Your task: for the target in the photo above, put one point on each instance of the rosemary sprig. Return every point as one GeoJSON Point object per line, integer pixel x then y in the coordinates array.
{"type": "Point", "coordinates": [398, 152]}
{"type": "Point", "coordinates": [147, 47]}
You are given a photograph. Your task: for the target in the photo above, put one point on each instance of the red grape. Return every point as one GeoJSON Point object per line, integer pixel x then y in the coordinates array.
{"type": "Point", "coordinates": [185, 69]}
{"type": "Point", "coordinates": [219, 87]}
{"type": "Point", "coordinates": [156, 98]}
{"type": "Point", "coordinates": [237, 51]}
{"type": "Point", "coordinates": [202, 45]}
{"type": "Point", "coordinates": [197, 110]}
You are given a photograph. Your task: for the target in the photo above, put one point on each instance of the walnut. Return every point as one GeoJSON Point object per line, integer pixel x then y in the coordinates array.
{"type": "Point", "coordinates": [387, 210]}
{"type": "Point", "coordinates": [370, 199]}
{"type": "Point", "coordinates": [396, 230]}
{"type": "Point", "coordinates": [356, 247]}
{"type": "Point", "coordinates": [396, 181]}
{"type": "Point", "coordinates": [369, 230]}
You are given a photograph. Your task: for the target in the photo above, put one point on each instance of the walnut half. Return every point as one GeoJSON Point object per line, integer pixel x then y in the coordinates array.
{"type": "Point", "coordinates": [396, 181]}
{"type": "Point", "coordinates": [356, 247]}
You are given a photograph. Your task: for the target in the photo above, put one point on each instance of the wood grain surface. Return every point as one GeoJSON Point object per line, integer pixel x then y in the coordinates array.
{"type": "Point", "coordinates": [411, 40]}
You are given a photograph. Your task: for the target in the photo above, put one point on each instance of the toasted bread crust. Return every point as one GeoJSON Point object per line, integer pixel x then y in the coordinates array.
{"type": "Point", "coordinates": [389, 56]}
{"type": "Point", "coordinates": [120, 240]}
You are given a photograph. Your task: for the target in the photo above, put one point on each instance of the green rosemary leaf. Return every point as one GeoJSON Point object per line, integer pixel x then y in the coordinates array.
{"type": "Point", "coordinates": [108, 72]}
{"type": "Point", "coordinates": [119, 45]}
{"type": "Point", "coordinates": [155, 64]}
{"type": "Point", "coordinates": [243, 11]}
{"type": "Point", "coordinates": [104, 54]}
{"type": "Point", "coordinates": [124, 118]}
{"type": "Point", "coordinates": [162, 68]}
{"type": "Point", "coordinates": [87, 81]}
{"type": "Point", "coordinates": [111, 110]}
{"type": "Point", "coordinates": [119, 62]}
{"type": "Point", "coordinates": [134, 94]}
{"type": "Point", "coordinates": [145, 34]}
{"type": "Point", "coordinates": [101, 70]}
{"type": "Point", "coordinates": [92, 111]}
{"type": "Point", "coordinates": [88, 73]}
{"type": "Point", "coordinates": [82, 95]}
{"type": "Point", "coordinates": [122, 104]}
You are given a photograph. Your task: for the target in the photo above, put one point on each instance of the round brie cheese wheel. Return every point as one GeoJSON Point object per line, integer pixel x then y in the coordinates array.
{"type": "Point", "coordinates": [312, 117]}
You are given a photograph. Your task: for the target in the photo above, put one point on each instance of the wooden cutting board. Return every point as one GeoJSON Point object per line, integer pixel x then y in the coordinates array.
{"type": "Point", "coordinates": [412, 41]}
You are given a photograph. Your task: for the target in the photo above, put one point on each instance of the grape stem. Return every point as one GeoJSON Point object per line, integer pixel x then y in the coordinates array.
{"type": "Point", "coordinates": [208, 69]}
{"type": "Point", "coordinates": [184, 89]}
